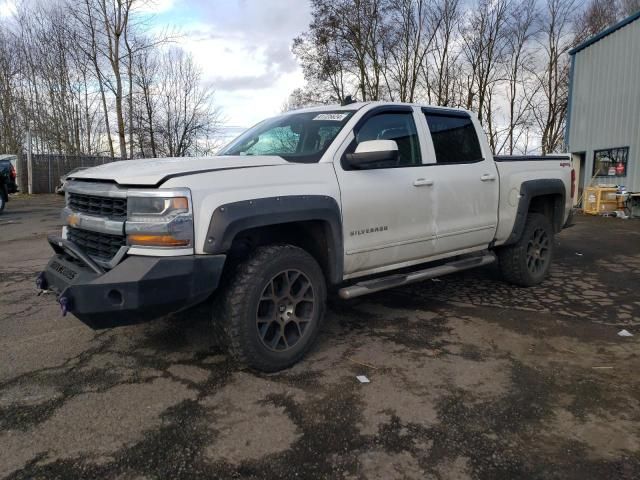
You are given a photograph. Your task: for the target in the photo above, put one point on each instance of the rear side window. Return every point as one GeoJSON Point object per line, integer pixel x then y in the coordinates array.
{"type": "Point", "coordinates": [454, 138]}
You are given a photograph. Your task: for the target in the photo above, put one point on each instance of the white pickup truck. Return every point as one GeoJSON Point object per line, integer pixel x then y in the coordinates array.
{"type": "Point", "coordinates": [353, 199]}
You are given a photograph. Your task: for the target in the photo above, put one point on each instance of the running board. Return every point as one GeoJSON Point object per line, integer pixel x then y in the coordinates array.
{"type": "Point", "coordinates": [397, 280]}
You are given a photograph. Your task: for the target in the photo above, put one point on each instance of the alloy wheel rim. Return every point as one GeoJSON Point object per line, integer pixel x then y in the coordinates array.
{"type": "Point", "coordinates": [538, 251]}
{"type": "Point", "coordinates": [285, 310]}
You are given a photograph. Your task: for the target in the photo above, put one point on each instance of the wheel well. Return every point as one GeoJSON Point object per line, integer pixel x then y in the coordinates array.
{"type": "Point", "coordinates": [550, 206]}
{"type": "Point", "coordinates": [313, 236]}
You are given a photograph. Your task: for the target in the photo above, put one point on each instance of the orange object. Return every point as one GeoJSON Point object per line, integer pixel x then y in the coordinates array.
{"type": "Point", "coordinates": [180, 203]}
{"type": "Point", "coordinates": [156, 240]}
{"type": "Point", "coordinates": [597, 200]}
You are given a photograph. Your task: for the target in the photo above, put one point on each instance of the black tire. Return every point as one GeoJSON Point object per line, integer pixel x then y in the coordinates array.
{"type": "Point", "coordinates": [262, 325]}
{"type": "Point", "coordinates": [526, 262]}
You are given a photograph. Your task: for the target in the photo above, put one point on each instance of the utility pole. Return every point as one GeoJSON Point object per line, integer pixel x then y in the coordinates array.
{"type": "Point", "coordinates": [169, 137]}
{"type": "Point", "coordinates": [29, 162]}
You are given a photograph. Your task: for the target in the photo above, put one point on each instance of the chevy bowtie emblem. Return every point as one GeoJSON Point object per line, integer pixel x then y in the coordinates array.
{"type": "Point", "coordinates": [73, 220]}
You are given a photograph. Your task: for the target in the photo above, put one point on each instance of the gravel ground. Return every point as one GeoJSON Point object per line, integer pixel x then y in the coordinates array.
{"type": "Point", "coordinates": [470, 378]}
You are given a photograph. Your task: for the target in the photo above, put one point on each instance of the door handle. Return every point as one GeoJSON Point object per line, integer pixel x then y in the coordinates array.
{"type": "Point", "coordinates": [488, 177]}
{"type": "Point", "coordinates": [421, 182]}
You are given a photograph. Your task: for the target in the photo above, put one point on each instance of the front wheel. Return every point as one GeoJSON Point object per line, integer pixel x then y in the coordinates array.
{"type": "Point", "coordinates": [272, 308]}
{"type": "Point", "coordinates": [527, 262]}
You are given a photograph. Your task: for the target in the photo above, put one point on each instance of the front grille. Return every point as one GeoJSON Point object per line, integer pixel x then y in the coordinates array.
{"type": "Point", "coordinates": [99, 245]}
{"type": "Point", "coordinates": [110, 207]}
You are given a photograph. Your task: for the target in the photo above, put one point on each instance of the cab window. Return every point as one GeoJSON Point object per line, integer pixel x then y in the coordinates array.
{"type": "Point", "coordinates": [399, 127]}
{"type": "Point", "coordinates": [454, 138]}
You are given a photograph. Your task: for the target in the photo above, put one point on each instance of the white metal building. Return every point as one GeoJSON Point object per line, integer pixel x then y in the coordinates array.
{"type": "Point", "coordinates": [603, 121]}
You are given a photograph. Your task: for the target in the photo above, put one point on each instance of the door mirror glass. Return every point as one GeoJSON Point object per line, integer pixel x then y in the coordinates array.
{"type": "Point", "coordinates": [373, 154]}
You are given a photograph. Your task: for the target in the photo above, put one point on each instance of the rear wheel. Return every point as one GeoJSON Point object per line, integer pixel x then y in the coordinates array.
{"type": "Point", "coordinates": [527, 262]}
{"type": "Point", "coordinates": [272, 308]}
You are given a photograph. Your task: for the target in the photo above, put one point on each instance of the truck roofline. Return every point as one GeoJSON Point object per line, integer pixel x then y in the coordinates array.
{"type": "Point", "coordinates": [376, 103]}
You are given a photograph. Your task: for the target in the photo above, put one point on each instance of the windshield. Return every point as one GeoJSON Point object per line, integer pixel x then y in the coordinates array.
{"type": "Point", "coordinates": [297, 137]}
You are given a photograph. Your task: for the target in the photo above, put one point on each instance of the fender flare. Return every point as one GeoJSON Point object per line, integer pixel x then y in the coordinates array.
{"type": "Point", "coordinates": [536, 188]}
{"type": "Point", "coordinates": [232, 218]}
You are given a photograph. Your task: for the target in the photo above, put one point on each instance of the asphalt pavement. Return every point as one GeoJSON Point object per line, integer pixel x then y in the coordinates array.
{"type": "Point", "coordinates": [469, 378]}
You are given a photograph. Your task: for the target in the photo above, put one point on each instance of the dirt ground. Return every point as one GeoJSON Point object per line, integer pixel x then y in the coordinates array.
{"type": "Point", "coordinates": [470, 378]}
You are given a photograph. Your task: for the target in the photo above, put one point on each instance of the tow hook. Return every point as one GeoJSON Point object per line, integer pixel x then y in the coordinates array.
{"type": "Point", "coordinates": [64, 305]}
{"type": "Point", "coordinates": [41, 282]}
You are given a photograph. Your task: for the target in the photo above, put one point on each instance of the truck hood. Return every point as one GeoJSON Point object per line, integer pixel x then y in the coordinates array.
{"type": "Point", "coordinates": [153, 171]}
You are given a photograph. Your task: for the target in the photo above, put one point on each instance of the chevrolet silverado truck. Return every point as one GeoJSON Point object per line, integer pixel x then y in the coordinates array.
{"type": "Point", "coordinates": [351, 199]}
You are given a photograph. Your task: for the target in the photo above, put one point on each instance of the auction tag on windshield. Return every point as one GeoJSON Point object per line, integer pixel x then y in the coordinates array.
{"type": "Point", "coordinates": [335, 117]}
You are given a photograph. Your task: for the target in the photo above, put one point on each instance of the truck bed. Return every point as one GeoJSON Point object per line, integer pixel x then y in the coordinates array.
{"type": "Point", "coordinates": [514, 170]}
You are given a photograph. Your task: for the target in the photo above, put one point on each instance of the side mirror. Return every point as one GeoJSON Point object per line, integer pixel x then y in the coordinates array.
{"type": "Point", "coordinates": [373, 154]}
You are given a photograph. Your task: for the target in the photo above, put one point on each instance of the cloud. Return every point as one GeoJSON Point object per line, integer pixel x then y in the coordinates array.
{"type": "Point", "coordinates": [274, 20]}
{"type": "Point", "coordinates": [156, 6]}
{"type": "Point", "coordinates": [246, 82]}
{"type": "Point", "coordinates": [7, 8]}
{"type": "Point", "coordinates": [244, 49]}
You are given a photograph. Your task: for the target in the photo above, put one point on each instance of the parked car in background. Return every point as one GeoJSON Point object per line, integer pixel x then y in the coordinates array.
{"type": "Point", "coordinates": [8, 167]}
{"type": "Point", "coordinates": [7, 178]}
{"type": "Point", "coordinates": [353, 199]}
{"type": "Point", "coordinates": [4, 190]}
{"type": "Point", "coordinates": [63, 179]}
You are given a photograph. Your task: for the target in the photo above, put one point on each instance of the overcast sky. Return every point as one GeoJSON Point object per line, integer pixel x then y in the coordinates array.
{"type": "Point", "coordinates": [243, 48]}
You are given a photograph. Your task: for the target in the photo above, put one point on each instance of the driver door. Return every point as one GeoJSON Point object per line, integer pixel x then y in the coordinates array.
{"type": "Point", "coordinates": [386, 215]}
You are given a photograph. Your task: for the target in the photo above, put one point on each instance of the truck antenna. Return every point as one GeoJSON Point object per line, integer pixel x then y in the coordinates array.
{"type": "Point", "coordinates": [348, 100]}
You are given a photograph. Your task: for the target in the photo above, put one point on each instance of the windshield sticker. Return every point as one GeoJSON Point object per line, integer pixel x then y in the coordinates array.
{"type": "Point", "coordinates": [335, 117]}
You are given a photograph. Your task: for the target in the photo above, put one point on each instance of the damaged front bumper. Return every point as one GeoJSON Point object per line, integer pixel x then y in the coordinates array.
{"type": "Point", "coordinates": [137, 289]}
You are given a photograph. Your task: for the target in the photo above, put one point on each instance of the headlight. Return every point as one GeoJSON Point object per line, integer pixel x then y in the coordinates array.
{"type": "Point", "coordinates": [159, 206]}
{"type": "Point", "coordinates": [159, 218]}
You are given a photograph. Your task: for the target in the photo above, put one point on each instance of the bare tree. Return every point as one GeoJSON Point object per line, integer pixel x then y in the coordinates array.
{"type": "Point", "coordinates": [145, 74]}
{"type": "Point", "coordinates": [69, 70]}
{"type": "Point", "coordinates": [408, 40]}
{"type": "Point", "coordinates": [629, 7]}
{"type": "Point", "coordinates": [300, 98]}
{"type": "Point", "coordinates": [344, 46]}
{"type": "Point", "coordinates": [86, 15]}
{"type": "Point", "coordinates": [484, 46]}
{"type": "Point", "coordinates": [506, 60]}
{"type": "Point", "coordinates": [521, 61]}
{"type": "Point", "coordinates": [598, 15]}
{"type": "Point", "coordinates": [186, 105]}
{"type": "Point", "coordinates": [114, 20]}
{"type": "Point", "coordinates": [322, 57]}
{"type": "Point", "coordinates": [549, 106]}
{"type": "Point", "coordinates": [11, 131]}
{"type": "Point", "coordinates": [441, 69]}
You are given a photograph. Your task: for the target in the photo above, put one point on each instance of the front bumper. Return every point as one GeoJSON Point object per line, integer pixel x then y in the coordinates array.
{"type": "Point", "coordinates": [137, 289]}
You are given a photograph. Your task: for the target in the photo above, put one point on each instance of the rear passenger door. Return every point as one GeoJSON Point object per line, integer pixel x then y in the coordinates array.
{"type": "Point", "coordinates": [465, 182]}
